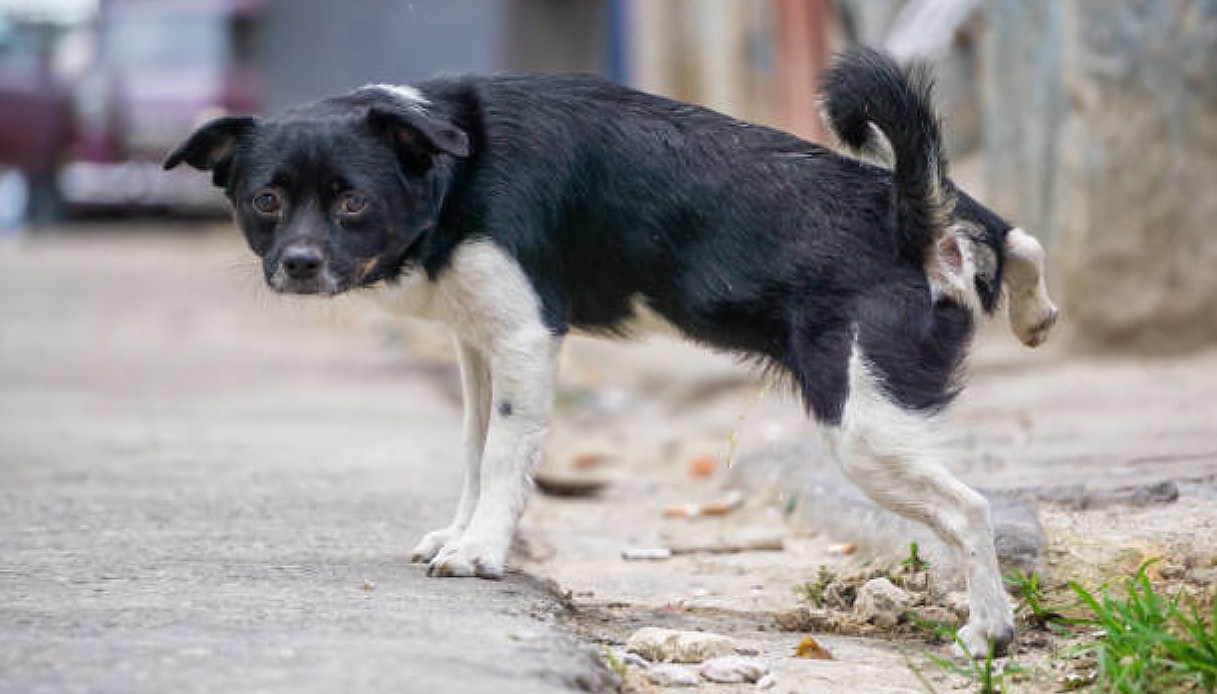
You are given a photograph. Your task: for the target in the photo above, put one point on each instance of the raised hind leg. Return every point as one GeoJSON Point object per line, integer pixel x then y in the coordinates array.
{"type": "Point", "coordinates": [1032, 313]}
{"type": "Point", "coordinates": [894, 455]}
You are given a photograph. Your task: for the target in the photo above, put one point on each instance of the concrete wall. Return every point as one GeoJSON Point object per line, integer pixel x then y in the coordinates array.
{"type": "Point", "coordinates": [1101, 137]}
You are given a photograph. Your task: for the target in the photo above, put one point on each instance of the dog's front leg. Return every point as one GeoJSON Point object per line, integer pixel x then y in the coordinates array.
{"type": "Point", "coordinates": [522, 373]}
{"type": "Point", "coordinates": [475, 390]}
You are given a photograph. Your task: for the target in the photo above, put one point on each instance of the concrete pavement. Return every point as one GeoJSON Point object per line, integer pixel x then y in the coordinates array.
{"type": "Point", "coordinates": [204, 488]}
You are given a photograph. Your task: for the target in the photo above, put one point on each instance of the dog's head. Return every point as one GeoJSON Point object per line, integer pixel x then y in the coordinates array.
{"type": "Point", "coordinates": [332, 195]}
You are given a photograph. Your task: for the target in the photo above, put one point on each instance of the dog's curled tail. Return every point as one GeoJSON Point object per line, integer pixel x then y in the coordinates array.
{"type": "Point", "coordinates": [865, 90]}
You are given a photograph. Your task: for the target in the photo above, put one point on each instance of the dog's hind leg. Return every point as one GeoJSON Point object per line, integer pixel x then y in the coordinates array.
{"type": "Point", "coordinates": [1032, 313]}
{"type": "Point", "coordinates": [894, 455]}
{"type": "Point", "coordinates": [475, 390]}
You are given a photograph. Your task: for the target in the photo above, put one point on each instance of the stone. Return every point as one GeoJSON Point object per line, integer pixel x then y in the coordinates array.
{"type": "Point", "coordinates": [673, 675]}
{"type": "Point", "coordinates": [672, 646]}
{"type": "Point", "coordinates": [881, 603]}
{"type": "Point", "coordinates": [733, 669]}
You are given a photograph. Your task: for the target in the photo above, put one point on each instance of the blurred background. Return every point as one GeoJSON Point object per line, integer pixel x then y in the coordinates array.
{"type": "Point", "coordinates": [1092, 123]}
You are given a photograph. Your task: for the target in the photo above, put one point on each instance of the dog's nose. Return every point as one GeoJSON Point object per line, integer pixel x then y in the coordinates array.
{"type": "Point", "coordinates": [302, 262]}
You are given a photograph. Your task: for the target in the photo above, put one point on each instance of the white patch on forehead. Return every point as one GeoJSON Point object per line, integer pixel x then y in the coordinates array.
{"type": "Point", "coordinates": [402, 92]}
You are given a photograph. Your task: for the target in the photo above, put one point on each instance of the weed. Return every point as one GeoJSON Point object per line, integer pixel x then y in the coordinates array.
{"type": "Point", "coordinates": [913, 563]}
{"type": "Point", "coordinates": [813, 591]}
{"type": "Point", "coordinates": [1031, 603]}
{"type": "Point", "coordinates": [613, 662]}
{"type": "Point", "coordinates": [1150, 643]}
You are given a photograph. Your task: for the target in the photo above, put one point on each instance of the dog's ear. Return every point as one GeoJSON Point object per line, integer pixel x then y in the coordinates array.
{"type": "Point", "coordinates": [212, 146]}
{"type": "Point", "coordinates": [414, 132]}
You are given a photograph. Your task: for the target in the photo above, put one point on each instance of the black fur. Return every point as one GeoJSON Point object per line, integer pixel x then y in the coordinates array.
{"type": "Point", "coordinates": [746, 238]}
{"type": "Point", "coordinates": [864, 87]}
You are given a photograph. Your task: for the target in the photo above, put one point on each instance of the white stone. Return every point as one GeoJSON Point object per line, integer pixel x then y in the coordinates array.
{"type": "Point", "coordinates": [881, 603]}
{"type": "Point", "coordinates": [671, 646]}
{"type": "Point", "coordinates": [672, 675]}
{"type": "Point", "coordinates": [733, 668]}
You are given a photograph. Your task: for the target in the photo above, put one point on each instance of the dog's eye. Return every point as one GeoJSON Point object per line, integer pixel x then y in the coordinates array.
{"type": "Point", "coordinates": [267, 203]}
{"type": "Point", "coordinates": [352, 204]}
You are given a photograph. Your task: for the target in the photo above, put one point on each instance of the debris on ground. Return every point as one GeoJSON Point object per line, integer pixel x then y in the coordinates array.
{"type": "Point", "coordinates": [721, 507]}
{"type": "Point", "coordinates": [842, 549]}
{"type": "Point", "coordinates": [810, 648]}
{"type": "Point", "coordinates": [672, 646]}
{"type": "Point", "coordinates": [762, 543]}
{"type": "Point", "coordinates": [702, 466]}
{"type": "Point", "coordinates": [556, 483]}
{"type": "Point", "coordinates": [733, 669]}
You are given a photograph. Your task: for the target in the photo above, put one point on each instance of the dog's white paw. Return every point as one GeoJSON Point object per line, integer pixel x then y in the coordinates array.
{"type": "Point", "coordinates": [1033, 322]}
{"type": "Point", "coordinates": [978, 634]}
{"type": "Point", "coordinates": [432, 543]}
{"type": "Point", "coordinates": [470, 556]}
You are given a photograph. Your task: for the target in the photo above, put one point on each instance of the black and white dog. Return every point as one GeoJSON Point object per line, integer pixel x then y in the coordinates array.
{"type": "Point", "coordinates": [518, 208]}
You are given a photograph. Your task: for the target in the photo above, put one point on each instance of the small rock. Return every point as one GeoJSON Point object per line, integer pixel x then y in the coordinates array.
{"type": "Point", "coordinates": [733, 668]}
{"type": "Point", "coordinates": [957, 603]}
{"type": "Point", "coordinates": [881, 603]}
{"type": "Point", "coordinates": [766, 682]}
{"type": "Point", "coordinates": [672, 675]}
{"type": "Point", "coordinates": [807, 619]}
{"type": "Point", "coordinates": [671, 646]}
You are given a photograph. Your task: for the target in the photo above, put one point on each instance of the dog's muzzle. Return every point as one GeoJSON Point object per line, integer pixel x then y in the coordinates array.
{"type": "Point", "coordinates": [302, 269]}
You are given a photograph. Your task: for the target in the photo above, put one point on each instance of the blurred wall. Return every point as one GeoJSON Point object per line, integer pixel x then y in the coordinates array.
{"type": "Point", "coordinates": [1101, 131]}
{"type": "Point", "coordinates": [317, 48]}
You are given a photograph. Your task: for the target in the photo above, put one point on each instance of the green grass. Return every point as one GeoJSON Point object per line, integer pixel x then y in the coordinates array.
{"type": "Point", "coordinates": [1142, 641]}
{"type": "Point", "coordinates": [1151, 643]}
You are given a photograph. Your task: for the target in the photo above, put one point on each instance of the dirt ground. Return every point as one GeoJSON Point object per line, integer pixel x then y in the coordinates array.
{"type": "Point", "coordinates": [1117, 457]}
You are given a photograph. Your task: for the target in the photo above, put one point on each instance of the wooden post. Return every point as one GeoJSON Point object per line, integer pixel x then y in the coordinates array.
{"type": "Point", "coordinates": [802, 54]}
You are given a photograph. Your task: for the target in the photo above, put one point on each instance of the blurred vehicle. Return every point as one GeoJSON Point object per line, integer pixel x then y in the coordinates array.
{"type": "Point", "coordinates": [162, 67]}
{"type": "Point", "coordinates": [35, 119]}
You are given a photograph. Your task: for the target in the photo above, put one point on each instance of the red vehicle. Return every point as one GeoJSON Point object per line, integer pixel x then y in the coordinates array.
{"type": "Point", "coordinates": [35, 116]}
{"type": "Point", "coordinates": [163, 66]}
